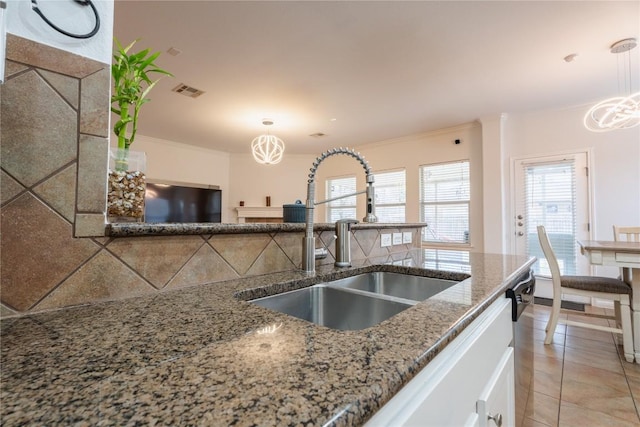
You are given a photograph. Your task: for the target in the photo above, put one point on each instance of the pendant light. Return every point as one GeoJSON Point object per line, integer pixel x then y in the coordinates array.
{"type": "Point", "coordinates": [267, 149]}
{"type": "Point", "coordinates": [620, 112]}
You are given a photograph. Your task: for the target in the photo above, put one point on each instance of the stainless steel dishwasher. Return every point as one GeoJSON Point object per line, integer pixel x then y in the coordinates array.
{"type": "Point", "coordinates": [521, 295]}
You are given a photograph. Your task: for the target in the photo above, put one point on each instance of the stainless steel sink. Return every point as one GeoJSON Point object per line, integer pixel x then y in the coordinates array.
{"type": "Point", "coordinates": [333, 307]}
{"type": "Point", "coordinates": [416, 288]}
{"type": "Point", "coordinates": [356, 302]}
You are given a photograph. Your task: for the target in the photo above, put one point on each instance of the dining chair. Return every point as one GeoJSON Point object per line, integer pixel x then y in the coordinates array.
{"type": "Point", "coordinates": [592, 287]}
{"type": "Point", "coordinates": [626, 234]}
{"type": "Point", "coordinates": [629, 234]}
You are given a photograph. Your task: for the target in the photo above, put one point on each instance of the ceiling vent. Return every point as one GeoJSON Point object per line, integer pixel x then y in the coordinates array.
{"type": "Point", "coordinates": [318, 135]}
{"type": "Point", "coordinates": [189, 91]}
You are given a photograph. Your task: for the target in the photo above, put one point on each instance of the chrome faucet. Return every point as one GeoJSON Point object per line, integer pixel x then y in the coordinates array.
{"type": "Point", "coordinates": [342, 239]}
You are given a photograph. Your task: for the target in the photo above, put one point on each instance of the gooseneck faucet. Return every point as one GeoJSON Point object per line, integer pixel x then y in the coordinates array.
{"type": "Point", "coordinates": [309, 241]}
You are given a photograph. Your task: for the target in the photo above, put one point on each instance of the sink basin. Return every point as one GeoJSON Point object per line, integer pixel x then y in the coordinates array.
{"type": "Point", "coordinates": [333, 307]}
{"type": "Point", "coordinates": [416, 288]}
{"type": "Point", "coordinates": [356, 302]}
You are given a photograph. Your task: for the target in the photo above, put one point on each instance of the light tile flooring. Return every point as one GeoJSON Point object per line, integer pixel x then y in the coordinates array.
{"type": "Point", "coordinates": [581, 379]}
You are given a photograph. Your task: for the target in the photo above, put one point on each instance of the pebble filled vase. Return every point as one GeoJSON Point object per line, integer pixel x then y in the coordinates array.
{"type": "Point", "coordinates": [126, 185]}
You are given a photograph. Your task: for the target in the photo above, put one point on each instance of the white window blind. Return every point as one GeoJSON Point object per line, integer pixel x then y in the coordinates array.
{"type": "Point", "coordinates": [343, 208]}
{"type": "Point", "coordinates": [550, 198]}
{"type": "Point", "coordinates": [444, 202]}
{"type": "Point", "coordinates": [390, 196]}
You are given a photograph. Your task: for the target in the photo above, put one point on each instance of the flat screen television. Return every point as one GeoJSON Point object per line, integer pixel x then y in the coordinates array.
{"type": "Point", "coordinates": [177, 203]}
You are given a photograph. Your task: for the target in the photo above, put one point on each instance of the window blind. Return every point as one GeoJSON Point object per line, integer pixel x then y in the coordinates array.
{"type": "Point", "coordinates": [550, 200]}
{"type": "Point", "coordinates": [343, 208]}
{"type": "Point", "coordinates": [391, 196]}
{"type": "Point", "coordinates": [444, 202]}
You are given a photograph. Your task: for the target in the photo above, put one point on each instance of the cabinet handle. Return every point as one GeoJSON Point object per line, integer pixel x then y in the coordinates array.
{"type": "Point", "coordinates": [497, 418]}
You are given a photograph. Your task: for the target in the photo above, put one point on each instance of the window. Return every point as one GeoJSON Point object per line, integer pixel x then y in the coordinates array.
{"type": "Point", "coordinates": [444, 202]}
{"type": "Point", "coordinates": [391, 196]}
{"type": "Point", "coordinates": [343, 208]}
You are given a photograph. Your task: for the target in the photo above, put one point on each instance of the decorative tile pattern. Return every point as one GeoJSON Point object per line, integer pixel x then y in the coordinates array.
{"type": "Point", "coordinates": [158, 258]}
{"type": "Point", "coordinates": [49, 58]}
{"type": "Point", "coordinates": [240, 251]}
{"type": "Point", "coordinates": [102, 278]}
{"type": "Point", "coordinates": [68, 87]}
{"type": "Point", "coordinates": [9, 188]}
{"type": "Point", "coordinates": [89, 225]}
{"type": "Point", "coordinates": [37, 252]}
{"type": "Point", "coordinates": [39, 129]}
{"type": "Point", "coordinates": [92, 173]}
{"type": "Point", "coordinates": [206, 266]}
{"type": "Point", "coordinates": [59, 192]}
{"type": "Point", "coordinates": [94, 103]}
{"type": "Point", "coordinates": [271, 260]}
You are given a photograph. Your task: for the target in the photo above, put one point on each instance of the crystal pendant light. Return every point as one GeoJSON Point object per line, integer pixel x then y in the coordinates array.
{"type": "Point", "coordinates": [620, 112]}
{"type": "Point", "coordinates": [267, 149]}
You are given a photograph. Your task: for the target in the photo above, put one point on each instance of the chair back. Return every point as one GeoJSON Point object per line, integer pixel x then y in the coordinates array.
{"type": "Point", "coordinates": [550, 256]}
{"type": "Point", "coordinates": [629, 234]}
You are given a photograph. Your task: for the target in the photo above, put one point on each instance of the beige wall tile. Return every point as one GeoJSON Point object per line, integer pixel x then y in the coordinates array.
{"type": "Point", "coordinates": [240, 250]}
{"type": "Point", "coordinates": [156, 258]}
{"type": "Point", "coordinates": [9, 188]}
{"type": "Point", "coordinates": [271, 260]}
{"type": "Point", "coordinates": [39, 129]}
{"type": "Point", "coordinates": [92, 174]}
{"type": "Point", "coordinates": [12, 68]}
{"type": "Point", "coordinates": [291, 244]}
{"type": "Point", "coordinates": [59, 192]}
{"type": "Point", "coordinates": [68, 87]}
{"type": "Point", "coordinates": [37, 252]}
{"type": "Point", "coordinates": [89, 225]}
{"type": "Point", "coordinates": [95, 103]}
{"type": "Point", "coordinates": [49, 58]}
{"type": "Point", "coordinates": [206, 266]}
{"type": "Point", "coordinates": [102, 278]}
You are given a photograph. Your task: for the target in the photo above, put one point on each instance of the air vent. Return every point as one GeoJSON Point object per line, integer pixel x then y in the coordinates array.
{"type": "Point", "coordinates": [189, 91]}
{"type": "Point", "coordinates": [318, 135]}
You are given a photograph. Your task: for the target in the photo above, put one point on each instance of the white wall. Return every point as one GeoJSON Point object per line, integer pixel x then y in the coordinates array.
{"type": "Point", "coordinates": [251, 182]}
{"type": "Point", "coordinates": [24, 22]}
{"type": "Point", "coordinates": [172, 161]}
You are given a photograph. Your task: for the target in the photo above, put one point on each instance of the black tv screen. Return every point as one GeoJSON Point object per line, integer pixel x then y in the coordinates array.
{"type": "Point", "coordinates": [174, 203]}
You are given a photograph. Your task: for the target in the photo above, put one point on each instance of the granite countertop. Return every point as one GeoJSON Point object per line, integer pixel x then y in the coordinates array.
{"type": "Point", "coordinates": [202, 356]}
{"type": "Point", "coordinates": [169, 229]}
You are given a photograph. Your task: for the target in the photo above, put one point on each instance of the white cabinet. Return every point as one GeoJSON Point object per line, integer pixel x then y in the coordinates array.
{"type": "Point", "coordinates": [471, 379]}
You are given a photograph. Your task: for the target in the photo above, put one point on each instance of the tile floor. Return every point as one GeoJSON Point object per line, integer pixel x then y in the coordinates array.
{"type": "Point", "coordinates": [580, 379]}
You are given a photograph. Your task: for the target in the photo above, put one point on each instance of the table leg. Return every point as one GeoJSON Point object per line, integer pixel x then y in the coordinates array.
{"type": "Point", "coordinates": [635, 310]}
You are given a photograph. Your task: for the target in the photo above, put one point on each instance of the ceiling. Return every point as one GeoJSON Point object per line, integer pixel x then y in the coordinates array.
{"type": "Point", "coordinates": [368, 71]}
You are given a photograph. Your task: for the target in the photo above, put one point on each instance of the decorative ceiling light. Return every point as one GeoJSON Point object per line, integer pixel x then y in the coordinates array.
{"type": "Point", "coordinates": [619, 112]}
{"type": "Point", "coordinates": [267, 149]}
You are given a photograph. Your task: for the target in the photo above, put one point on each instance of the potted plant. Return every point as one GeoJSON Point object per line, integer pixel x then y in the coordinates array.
{"type": "Point", "coordinates": [130, 73]}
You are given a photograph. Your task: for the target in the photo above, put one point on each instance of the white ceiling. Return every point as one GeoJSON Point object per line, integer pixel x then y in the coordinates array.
{"type": "Point", "coordinates": [381, 69]}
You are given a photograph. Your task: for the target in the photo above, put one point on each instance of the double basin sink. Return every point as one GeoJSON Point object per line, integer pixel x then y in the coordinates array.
{"type": "Point", "coordinates": [356, 302]}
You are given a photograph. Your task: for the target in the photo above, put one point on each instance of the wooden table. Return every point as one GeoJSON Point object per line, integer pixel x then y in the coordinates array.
{"type": "Point", "coordinates": [627, 256]}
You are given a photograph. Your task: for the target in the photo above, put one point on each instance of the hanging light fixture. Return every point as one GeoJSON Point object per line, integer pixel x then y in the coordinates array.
{"type": "Point", "coordinates": [267, 149]}
{"type": "Point", "coordinates": [620, 112]}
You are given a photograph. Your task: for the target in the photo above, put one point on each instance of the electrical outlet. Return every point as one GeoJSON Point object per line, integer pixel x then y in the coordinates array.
{"type": "Point", "coordinates": [385, 240]}
{"type": "Point", "coordinates": [397, 238]}
{"type": "Point", "coordinates": [406, 237]}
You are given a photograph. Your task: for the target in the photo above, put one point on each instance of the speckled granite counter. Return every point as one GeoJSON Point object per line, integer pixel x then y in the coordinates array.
{"type": "Point", "coordinates": [148, 361]}
{"type": "Point", "coordinates": [169, 229]}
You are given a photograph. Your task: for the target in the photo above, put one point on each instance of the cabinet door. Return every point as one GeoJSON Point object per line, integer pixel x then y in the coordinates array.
{"type": "Point", "coordinates": [497, 401]}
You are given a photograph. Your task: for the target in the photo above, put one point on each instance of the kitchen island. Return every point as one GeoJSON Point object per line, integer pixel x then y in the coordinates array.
{"type": "Point", "coordinates": [225, 361]}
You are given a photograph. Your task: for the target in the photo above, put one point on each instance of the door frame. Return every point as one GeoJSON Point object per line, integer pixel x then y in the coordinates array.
{"type": "Point", "coordinates": [541, 157]}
